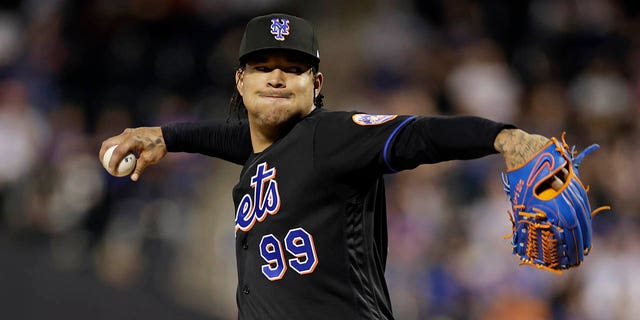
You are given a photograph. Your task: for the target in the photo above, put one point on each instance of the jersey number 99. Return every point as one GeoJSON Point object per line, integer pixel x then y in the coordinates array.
{"type": "Point", "coordinates": [298, 243]}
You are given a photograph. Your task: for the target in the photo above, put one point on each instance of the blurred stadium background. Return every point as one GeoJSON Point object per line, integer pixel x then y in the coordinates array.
{"type": "Point", "coordinates": [76, 243]}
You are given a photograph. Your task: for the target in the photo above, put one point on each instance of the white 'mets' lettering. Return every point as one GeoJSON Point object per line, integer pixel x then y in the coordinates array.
{"type": "Point", "coordinates": [265, 199]}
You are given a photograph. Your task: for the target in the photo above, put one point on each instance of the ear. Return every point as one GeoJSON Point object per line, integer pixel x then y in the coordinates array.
{"type": "Point", "coordinates": [317, 82]}
{"type": "Point", "coordinates": [240, 80]}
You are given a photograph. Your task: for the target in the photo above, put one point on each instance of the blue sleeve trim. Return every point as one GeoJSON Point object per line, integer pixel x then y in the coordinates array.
{"type": "Point", "coordinates": [385, 154]}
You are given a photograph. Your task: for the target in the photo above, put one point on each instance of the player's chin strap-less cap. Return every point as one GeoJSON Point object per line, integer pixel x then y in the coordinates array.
{"type": "Point", "coordinates": [280, 31]}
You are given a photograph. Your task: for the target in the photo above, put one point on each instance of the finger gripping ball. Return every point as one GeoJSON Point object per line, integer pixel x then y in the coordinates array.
{"type": "Point", "coordinates": [125, 167]}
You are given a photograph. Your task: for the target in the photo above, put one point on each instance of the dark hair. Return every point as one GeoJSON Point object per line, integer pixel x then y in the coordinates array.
{"type": "Point", "coordinates": [238, 111]}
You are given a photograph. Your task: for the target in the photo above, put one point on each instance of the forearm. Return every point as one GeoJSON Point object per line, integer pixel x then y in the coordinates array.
{"type": "Point", "coordinates": [436, 139]}
{"type": "Point", "coordinates": [518, 146]}
{"type": "Point", "coordinates": [216, 139]}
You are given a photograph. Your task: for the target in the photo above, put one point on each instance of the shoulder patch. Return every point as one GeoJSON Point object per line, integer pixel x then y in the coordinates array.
{"type": "Point", "coordinates": [372, 119]}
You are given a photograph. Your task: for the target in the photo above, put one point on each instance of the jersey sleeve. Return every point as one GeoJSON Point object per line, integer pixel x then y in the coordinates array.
{"type": "Point", "coordinates": [356, 143]}
{"type": "Point", "coordinates": [230, 142]}
{"type": "Point", "coordinates": [437, 139]}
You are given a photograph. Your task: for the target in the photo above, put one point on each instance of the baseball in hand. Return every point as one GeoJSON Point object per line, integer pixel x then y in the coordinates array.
{"type": "Point", "coordinates": [125, 167]}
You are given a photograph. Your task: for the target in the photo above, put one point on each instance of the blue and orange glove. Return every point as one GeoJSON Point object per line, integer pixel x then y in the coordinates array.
{"type": "Point", "coordinates": [551, 214]}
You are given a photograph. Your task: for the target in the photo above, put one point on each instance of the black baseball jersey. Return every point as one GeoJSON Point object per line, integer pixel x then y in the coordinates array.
{"type": "Point", "coordinates": [310, 220]}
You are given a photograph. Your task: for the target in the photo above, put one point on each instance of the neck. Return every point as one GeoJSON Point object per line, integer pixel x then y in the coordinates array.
{"type": "Point", "coordinates": [260, 140]}
{"type": "Point", "coordinates": [264, 136]}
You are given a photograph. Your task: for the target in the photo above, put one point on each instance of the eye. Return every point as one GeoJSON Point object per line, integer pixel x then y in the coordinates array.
{"type": "Point", "coordinates": [297, 69]}
{"type": "Point", "coordinates": [263, 68]}
{"type": "Point", "coordinates": [294, 69]}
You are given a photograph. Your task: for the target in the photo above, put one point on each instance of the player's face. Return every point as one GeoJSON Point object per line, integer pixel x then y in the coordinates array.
{"type": "Point", "coordinates": [276, 87]}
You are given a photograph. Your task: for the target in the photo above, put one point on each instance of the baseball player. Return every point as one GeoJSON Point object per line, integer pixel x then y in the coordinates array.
{"type": "Point", "coordinates": [310, 216]}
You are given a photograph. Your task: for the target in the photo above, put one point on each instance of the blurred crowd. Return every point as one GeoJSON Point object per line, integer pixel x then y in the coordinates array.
{"type": "Point", "coordinates": [73, 73]}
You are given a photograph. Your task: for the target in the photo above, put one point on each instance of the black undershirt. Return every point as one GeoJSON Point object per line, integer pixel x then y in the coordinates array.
{"type": "Point", "coordinates": [436, 139]}
{"type": "Point", "coordinates": [231, 142]}
{"type": "Point", "coordinates": [424, 140]}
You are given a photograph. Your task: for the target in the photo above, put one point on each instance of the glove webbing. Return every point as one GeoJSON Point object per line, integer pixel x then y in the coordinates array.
{"type": "Point", "coordinates": [548, 242]}
{"type": "Point", "coordinates": [546, 238]}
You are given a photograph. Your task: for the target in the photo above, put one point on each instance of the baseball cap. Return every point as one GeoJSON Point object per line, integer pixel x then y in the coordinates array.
{"type": "Point", "coordinates": [279, 31]}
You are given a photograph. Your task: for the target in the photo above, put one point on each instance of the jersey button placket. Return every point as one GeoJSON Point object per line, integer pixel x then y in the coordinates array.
{"type": "Point", "coordinates": [245, 290]}
{"type": "Point", "coordinates": [245, 246]}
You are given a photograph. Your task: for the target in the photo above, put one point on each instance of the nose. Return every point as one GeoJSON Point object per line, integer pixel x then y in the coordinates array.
{"type": "Point", "coordinates": [276, 79]}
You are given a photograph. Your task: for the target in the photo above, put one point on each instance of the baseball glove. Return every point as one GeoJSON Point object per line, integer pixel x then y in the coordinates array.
{"type": "Point", "coordinates": [551, 215]}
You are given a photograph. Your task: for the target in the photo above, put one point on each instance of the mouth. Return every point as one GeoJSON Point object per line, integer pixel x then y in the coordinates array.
{"type": "Point", "coordinates": [274, 95]}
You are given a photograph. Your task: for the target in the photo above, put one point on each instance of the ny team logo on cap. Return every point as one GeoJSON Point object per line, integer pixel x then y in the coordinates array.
{"type": "Point", "coordinates": [279, 28]}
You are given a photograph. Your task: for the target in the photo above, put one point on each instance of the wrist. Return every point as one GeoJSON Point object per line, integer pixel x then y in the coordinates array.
{"type": "Point", "coordinates": [518, 146]}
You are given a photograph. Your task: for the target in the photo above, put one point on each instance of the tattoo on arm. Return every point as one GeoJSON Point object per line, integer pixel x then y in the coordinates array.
{"type": "Point", "coordinates": [517, 146]}
{"type": "Point", "coordinates": [148, 143]}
